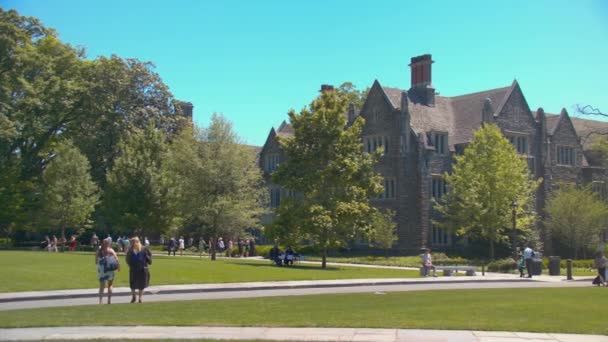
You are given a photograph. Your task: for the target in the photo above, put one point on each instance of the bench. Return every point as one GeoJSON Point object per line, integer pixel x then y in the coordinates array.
{"type": "Point", "coordinates": [448, 270]}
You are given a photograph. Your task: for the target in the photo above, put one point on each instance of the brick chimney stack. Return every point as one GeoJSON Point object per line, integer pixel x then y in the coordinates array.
{"type": "Point", "coordinates": [421, 84]}
{"type": "Point", "coordinates": [421, 70]}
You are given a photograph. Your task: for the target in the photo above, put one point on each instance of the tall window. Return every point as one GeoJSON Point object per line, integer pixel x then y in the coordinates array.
{"type": "Point", "coordinates": [275, 197]}
{"type": "Point", "coordinates": [439, 236]}
{"type": "Point", "coordinates": [520, 143]}
{"type": "Point", "coordinates": [272, 162]}
{"type": "Point", "coordinates": [440, 141]}
{"type": "Point", "coordinates": [390, 189]}
{"type": "Point", "coordinates": [438, 187]}
{"type": "Point", "coordinates": [565, 155]}
{"type": "Point", "coordinates": [600, 189]}
{"type": "Point", "coordinates": [372, 143]}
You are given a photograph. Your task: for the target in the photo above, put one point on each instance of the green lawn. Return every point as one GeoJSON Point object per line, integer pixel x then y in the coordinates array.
{"type": "Point", "coordinates": [571, 310]}
{"type": "Point", "coordinates": [33, 271]}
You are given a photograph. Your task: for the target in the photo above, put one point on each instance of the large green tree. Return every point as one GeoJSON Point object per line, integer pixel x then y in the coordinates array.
{"type": "Point", "coordinates": [220, 185]}
{"type": "Point", "coordinates": [485, 181]}
{"type": "Point", "coordinates": [139, 193]}
{"type": "Point", "coordinates": [576, 217]}
{"type": "Point", "coordinates": [70, 195]}
{"type": "Point", "coordinates": [333, 177]}
{"type": "Point", "coordinates": [385, 230]}
{"type": "Point", "coordinates": [42, 95]}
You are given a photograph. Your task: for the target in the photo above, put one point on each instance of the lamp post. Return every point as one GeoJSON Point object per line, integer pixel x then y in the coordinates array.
{"type": "Point", "coordinates": [514, 206]}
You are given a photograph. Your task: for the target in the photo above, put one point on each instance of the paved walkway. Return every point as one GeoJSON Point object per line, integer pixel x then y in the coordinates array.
{"type": "Point", "coordinates": [38, 299]}
{"type": "Point", "coordinates": [285, 334]}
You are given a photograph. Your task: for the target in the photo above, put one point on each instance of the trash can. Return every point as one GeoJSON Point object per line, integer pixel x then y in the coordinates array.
{"type": "Point", "coordinates": [537, 266]}
{"type": "Point", "coordinates": [554, 265]}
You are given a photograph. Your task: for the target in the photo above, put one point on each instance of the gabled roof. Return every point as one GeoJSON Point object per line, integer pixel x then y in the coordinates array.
{"type": "Point", "coordinates": [460, 115]}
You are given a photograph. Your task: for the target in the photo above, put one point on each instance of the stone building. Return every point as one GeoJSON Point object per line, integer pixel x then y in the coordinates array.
{"type": "Point", "coordinates": [420, 131]}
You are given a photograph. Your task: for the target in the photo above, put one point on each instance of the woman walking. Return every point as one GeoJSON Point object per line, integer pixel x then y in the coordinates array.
{"type": "Point", "coordinates": [138, 259]}
{"type": "Point", "coordinates": [105, 259]}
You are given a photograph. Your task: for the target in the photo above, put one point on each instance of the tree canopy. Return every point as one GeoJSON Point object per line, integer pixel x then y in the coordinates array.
{"type": "Point", "coordinates": [331, 175]}
{"type": "Point", "coordinates": [485, 181]}
{"type": "Point", "coordinates": [576, 217]}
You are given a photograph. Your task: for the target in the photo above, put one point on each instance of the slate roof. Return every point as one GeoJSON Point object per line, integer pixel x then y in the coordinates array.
{"type": "Point", "coordinates": [459, 116]}
{"type": "Point", "coordinates": [583, 127]}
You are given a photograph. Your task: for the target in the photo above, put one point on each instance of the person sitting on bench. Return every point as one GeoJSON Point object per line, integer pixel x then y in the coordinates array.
{"type": "Point", "coordinates": [275, 253]}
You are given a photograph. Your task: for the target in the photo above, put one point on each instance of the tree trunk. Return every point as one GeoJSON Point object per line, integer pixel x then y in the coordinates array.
{"type": "Point", "coordinates": [212, 248]}
{"type": "Point", "coordinates": [324, 259]}
{"type": "Point", "coordinates": [491, 249]}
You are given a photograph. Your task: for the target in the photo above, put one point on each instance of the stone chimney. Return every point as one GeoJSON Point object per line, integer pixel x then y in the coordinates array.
{"type": "Point", "coordinates": [187, 109]}
{"type": "Point", "coordinates": [421, 83]}
{"type": "Point", "coordinates": [326, 87]}
{"type": "Point", "coordinates": [351, 113]}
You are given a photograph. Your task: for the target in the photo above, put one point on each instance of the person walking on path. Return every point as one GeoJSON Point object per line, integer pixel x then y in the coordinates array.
{"type": "Point", "coordinates": [103, 274]}
{"type": "Point", "coordinates": [600, 264]}
{"type": "Point", "coordinates": [53, 244]}
{"type": "Point", "coordinates": [528, 255]}
{"type": "Point", "coordinates": [181, 246]}
{"type": "Point", "coordinates": [172, 246]}
{"type": "Point", "coordinates": [427, 263]}
{"type": "Point", "coordinates": [230, 248]}
{"type": "Point", "coordinates": [138, 259]}
{"type": "Point", "coordinates": [94, 241]}
{"type": "Point", "coordinates": [251, 249]}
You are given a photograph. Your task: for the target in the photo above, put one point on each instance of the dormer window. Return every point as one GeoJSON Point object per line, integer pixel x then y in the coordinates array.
{"type": "Point", "coordinates": [565, 155]}
{"type": "Point", "coordinates": [440, 141]}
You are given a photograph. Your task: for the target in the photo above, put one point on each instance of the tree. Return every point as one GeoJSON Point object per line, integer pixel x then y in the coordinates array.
{"type": "Point", "coordinates": [42, 95]}
{"type": "Point", "coordinates": [576, 217]}
{"type": "Point", "coordinates": [353, 95]}
{"type": "Point", "coordinates": [385, 229]}
{"type": "Point", "coordinates": [484, 182]}
{"type": "Point", "coordinates": [333, 177]}
{"type": "Point", "coordinates": [70, 195]}
{"type": "Point", "coordinates": [138, 196]}
{"type": "Point", "coordinates": [220, 186]}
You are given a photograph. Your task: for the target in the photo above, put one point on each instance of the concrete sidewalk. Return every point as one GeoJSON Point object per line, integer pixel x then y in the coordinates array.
{"type": "Point", "coordinates": [284, 334]}
{"type": "Point", "coordinates": [278, 285]}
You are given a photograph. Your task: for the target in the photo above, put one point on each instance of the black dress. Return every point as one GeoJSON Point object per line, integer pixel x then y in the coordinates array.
{"type": "Point", "coordinates": [139, 275]}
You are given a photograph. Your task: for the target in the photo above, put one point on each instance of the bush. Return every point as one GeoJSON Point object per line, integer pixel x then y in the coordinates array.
{"type": "Point", "coordinates": [502, 266]}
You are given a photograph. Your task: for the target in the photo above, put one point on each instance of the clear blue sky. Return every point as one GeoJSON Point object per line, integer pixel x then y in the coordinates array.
{"type": "Point", "coordinates": [254, 60]}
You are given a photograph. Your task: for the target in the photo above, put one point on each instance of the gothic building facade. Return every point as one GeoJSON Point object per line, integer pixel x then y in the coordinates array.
{"type": "Point", "coordinates": [420, 132]}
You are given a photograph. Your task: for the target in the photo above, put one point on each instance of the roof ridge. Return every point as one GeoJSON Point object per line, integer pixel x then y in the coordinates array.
{"type": "Point", "coordinates": [479, 92]}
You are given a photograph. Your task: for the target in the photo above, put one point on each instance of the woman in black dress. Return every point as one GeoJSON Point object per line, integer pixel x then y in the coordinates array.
{"type": "Point", "coordinates": [138, 259]}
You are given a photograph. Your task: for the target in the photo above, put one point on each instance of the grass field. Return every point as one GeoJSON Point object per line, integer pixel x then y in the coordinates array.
{"type": "Point", "coordinates": [33, 271]}
{"type": "Point", "coordinates": [572, 310]}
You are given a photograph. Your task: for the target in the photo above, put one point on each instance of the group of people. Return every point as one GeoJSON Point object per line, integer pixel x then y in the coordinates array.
{"type": "Point", "coordinates": [51, 244]}
{"type": "Point", "coordinates": [245, 247]}
{"type": "Point", "coordinates": [525, 262]}
{"type": "Point", "coordinates": [138, 258]}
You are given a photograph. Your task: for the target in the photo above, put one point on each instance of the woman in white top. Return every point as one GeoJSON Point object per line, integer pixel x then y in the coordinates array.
{"type": "Point", "coordinates": [102, 274]}
{"type": "Point", "coordinates": [181, 245]}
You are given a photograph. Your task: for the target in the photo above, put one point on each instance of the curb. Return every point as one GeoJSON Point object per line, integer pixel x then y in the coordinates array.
{"type": "Point", "coordinates": [259, 288]}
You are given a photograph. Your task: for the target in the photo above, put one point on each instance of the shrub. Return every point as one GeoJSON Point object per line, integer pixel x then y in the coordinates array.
{"type": "Point", "coordinates": [502, 266]}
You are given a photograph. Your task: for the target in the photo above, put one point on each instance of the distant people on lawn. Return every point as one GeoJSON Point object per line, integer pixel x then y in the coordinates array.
{"type": "Point", "coordinates": [275, 255]}
{"type": "Point", "coordinates": [102, 260]}
{"type": "Point", "coordinates": [72, 245]}
{"type": "Point", "coordinates": [126, 243]}
{"type": "Point", "coordinates": [94, 241]}
{"type": "Point", "coordinates": [181, 245]}
{"type": "Point", "coordinates": [427, 263]}
{"type": "Point", "coordinates": [600, 264]}
{"type": "Point", "coordinates": [230, 248]}
{"type": "Point", "coordinates": [220, 245]}
{"type": "Point", "coordinates": [246, 248]}
{"type": "Point", "coordinates": [289, 256]}
{"type": "Point", "coordinates": [46, 244]}
{"type": "Point", "coordinates": [521, 265]}
{"type": "Point", "coordinates": [202, 246]}
{"type": "Point", "coordinates": [138, 259]}
{"type": "Point", "coordinates": [528, 255]}
{"type": "Point", "coordinates": [146, 242]}
{"type": "Point", "coordinates": [172, 246]}
{"type": "Point", "coordinates": [53, 244]}
{"type": "Point", "coordinates": [240, 244]}
{"type": "Point", "coordinates": [251, 250]}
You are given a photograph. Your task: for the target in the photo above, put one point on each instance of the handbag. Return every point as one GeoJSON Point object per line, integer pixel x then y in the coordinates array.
{"type": "Point", "coordinates": [111, 264]}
